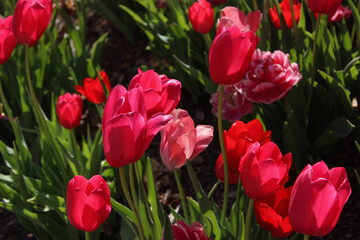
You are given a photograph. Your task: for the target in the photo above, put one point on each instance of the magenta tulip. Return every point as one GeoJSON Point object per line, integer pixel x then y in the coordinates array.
{"type": "Point", "coordinates": [182, 231]}
{"type": "Point", "coordinates": [7, 40]}
{"type": "Point", "coordinates": [201, 16]}
{"type": "Point", "coordinates": [318, 198]}
{"type": "Point", "coordinates": [69, 109]}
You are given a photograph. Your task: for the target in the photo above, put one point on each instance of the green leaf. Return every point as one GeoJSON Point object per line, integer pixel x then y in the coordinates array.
{"type": "Point", "coordinates": [122, 210]}
{"type": "Point", "coordinates": [195, 212]}
{"type": "Point", "coordinates": [212, 226]}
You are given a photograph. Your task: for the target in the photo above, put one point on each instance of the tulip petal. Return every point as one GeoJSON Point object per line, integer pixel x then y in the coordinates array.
{"type": "Point", "coordinates": [112, 104]}
{"type": "Point", "coordinates": [204, 135]}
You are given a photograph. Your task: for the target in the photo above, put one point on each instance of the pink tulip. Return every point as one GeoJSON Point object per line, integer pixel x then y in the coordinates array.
{"type": "Point", "coordinates": [7, 40]}
{"type": "Point", "coordinates": [232, 16]}
{"type": "Point", "coordinates": [263, 170]}
{"type": "Point", "coordinates": [270, 76]}
{"type": "Point", "coordinates": [127, 131]}
{"type": "Point", "coordinates": [161, 94]}
{"type": "Point", "coordinates": [180, 140]}
{"type": "Point", "coordinates": [318, 198]}
{"type": "Point", "coordinates": [201, 16]}
{"type": "Point", "coordinates": [340, 13]}
{"type": "Point", "coordinates": [69, 109]}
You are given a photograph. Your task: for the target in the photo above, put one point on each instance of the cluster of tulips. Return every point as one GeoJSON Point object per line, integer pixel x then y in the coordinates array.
{"type": "Point", "coordinates": [132, 117]}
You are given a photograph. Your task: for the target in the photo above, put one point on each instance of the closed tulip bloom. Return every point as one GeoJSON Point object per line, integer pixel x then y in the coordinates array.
{"type": "Point", "coordinates": [230, 55]}
{"type": "Point", "coordinates": [69, 109]}
{"type": "Point", "coordinates": [31, 18]}
{"type": "Point", "coordinates": [180, 140]}
{"type": "Point", "coordinates": [182, 231]}
{"type": "Point", "coordinates": [272, 213]}
{"type": "Point", "coordinates": [237, 140]}
{"type": "Point", "coordinates": [127, 132]}
{"type": "Point", "coordinates": [286, 12]}
{"type": "Point", "coordinates": [7, 40]}
{"type": "Point", "coordinates": [263, 170]}
{"type": "Point", "coordinates": [270, 77]}
{"type": "Point", "coordinates": [318, 198]}
{"type": "Point", "coordinates": [201, 16]}
{"type": "Point", "coordinates": [161, 94]}
{"type": "Point", "coordinates": [324, 6]}
{"type": "Point", "coordinates": [232, 16]}
{"type": "Point", "coordinates": [87, 202]}
{"type": "Point", "coordinates": [92, 88]}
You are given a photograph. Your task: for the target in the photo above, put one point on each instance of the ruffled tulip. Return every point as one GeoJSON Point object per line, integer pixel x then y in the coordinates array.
{"type": "Point", "coordinates": [232, 16]}
{"type": "Point", "coordinates": [7, 40]}
{"type": "Point", "coordinates": [318, 198]}
{"type": "Point", "coordinates": [182, 231]}
{"type": "Point", "coordinates": [230, 55]}
{"type": "Point", "coordinates": [272, 213]}
{"type": "Point", "coordinates": [263, 170]}
{"type": "Point", "coordinates": [324, 6]}
{"type": "Point", "coordinates": [340, 13]}
{"type": "Point", "coordinates": [270, 76]}
{"type": "Point", "coordinates": [92, 88]}
{"type": "Point", "coordinates": [161, 94]}
{"type": "Point", "coordinates": [286, 12]}
{"type": "Point", "coordinates": [127, 131]}
{"type": "Point", "coordinates": [201, 16]}
{"type": "Point", "coordinates": [87, 202]}
{"type": "Point", "coordinates": [237, 140]}
{"type": "Point", "coordinates": [235, 105]}
{"type": "Point", "coordinates": [180, 140]}
{"type": "Point", "coordinates": [31, 18]}
{"type": "Point", "coordinates": [68, 110]}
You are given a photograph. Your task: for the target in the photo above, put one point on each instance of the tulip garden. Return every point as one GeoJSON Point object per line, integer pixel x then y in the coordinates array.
{"type": "Point", "coordinates": [248, 109]}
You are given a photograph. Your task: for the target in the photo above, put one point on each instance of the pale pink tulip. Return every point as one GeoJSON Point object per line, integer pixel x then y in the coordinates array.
{"type": "Point", "coordinates": [340, 13]}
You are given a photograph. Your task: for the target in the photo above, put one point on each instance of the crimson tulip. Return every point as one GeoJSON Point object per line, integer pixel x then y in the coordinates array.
{"type": "Point", "coordinates": [318, 198]}
{"type": "Point", "coordinates": [237, 140]}
{"type": "Point", "coordinates": [324, 6]}
{"type": "Point", "coordinates": [263, 170]}
{"type": "Point", "coordinates": [68, 110]}
{"type": "Point", "coordinates": [272, 213]}
{"type": "Point", "coordinates": [127, 131]}
{"type": "Point", "coordinates": [182, 231]}
{"type": "Point", "coordinates": [88, 202]}
{"type": "Point", "coordinates": [180, 140]}
{"type": "Point", "coordinates": [230, 55]}
{"type": "Point", "coordinates": [286, 12]}
{"type": "Point", "coordinates": [161, 94]}
{"type": "Point", "coordinates": [340, 13]}
{"type": "Point", "coordinates": [92, 88]}
{"type": "Point", "coordinates": [31, 18]}
{"type": "Point", "coordinates": [201, 16]}
{"type": "Point", "coordinates": [7, 40]}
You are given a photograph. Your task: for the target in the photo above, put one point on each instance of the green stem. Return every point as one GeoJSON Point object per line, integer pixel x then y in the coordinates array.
{"type": "Point", "coordinates": [213, 189]}
{"type": "Point", "coordinates": [131, 203]}
{"type": "Point", "coordinates": [207, 40]}
{"type": "Point", "coordinates": [132, 185]}
{"type": "Point", "coordinates": [248, 219]}
{"type": "Point", "coordinates": [87, 236]}
{"type": "Point", "coordinates": [223, 151]}
{"type": "Point", "coordinates": [293, 20]}
{"type": "Point", "coordinates": [78, 158]}
{"type": "Point", "coordinates": [306, 237]}
{"type": "Point", "coordinates": [255, 4]}
{"type": "Point", "coordinates": [182, 196]}
{"type": "Point", "coordinates": [313, 72]}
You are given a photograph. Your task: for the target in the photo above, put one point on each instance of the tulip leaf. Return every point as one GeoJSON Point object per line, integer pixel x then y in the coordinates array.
{"type": "Point", "coordinates": [356, 15]}
{"type": "Point", "coordinates": [195, 212]}
{"type": "Point", "coordinates": [176, 215]}
{"type": "Point", "coordinates": [357, 177]}
{"type": "Point", "coordinates": [122, 210]}
{"type": "Point", "coordinates": [211, 225]}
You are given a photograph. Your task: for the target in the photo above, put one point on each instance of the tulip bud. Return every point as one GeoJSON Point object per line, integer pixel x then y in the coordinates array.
{"type": "Point", "coordinates": [201, 16]}
{"type": "Point", "coordinates": [68, 110]}
{"type": "Point", "coordinates": [7, 40]}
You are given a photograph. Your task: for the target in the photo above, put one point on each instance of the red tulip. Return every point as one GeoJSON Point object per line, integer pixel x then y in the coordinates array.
{"type": "Point", "coordinates": [92, 89]}
{"type": "Point", "coordinates": [161, 94]}
{"type": "Point", "coordinates": [7, 40]}
{"type": "Point", "coordinates": [318, 198]}
{"type": "Point", "coordinates": [324, 6]}
{"type": "Point", "coordinates": [216, 2]}
{"type": "Point", "coordinates": [184, 232]}
{"type": "Point", "coordinates": [127, 132]}
{"type": "Point", "coordinates": [180, 140]}
{"type": "Point", "coordinates": [263, 170]}
{"type": "Point", "coordinates": [237, 140]}
{"type": "Point", "coordinates": [286, 12]}
{"type": "Point", "coordinates": [87, 202]}
{"type": "Point", "coordinates": [272, 213]}
{"type": "Point", "coordinates": [31, 18]}
{"type": "Point", "coordinates": [201, 16]}
{"type": "Point", "coordinates": [232, 16]}
{"type": "Point", "coordinates": [68, 110]}
{"type": "Point", "coordinates": [230, 55]}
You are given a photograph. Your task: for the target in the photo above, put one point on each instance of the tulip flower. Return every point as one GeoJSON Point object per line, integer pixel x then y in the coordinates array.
{"type": "Point", "coordinates": [324, 6]}
{"type": "Point", "coordinates": [272, 213]}
{"type": "Point", "coordinates": [340, 13]}
{"type": "Point", "coordinates": [230, 55]}
{"type": "Point", "coordinates": [232, 16]}
{"type": "Point", "coordinates": [7, 40]}
{"type": "Point", "coordinates": [217, 2]}
{"type": "Point", "coordinates": [92, 88]}
{"type": "Point", "coordinates": [180, 140]}
{"type": "Point", "coordinates": [87, 202]}
{"type": "Point", "coordinates": [318, 198]}
{"type": "Point", "coordinates": [68, 110]}
{"type": "Point", "coordinates": [263, 170]}
{"type": "Point", "coordinates": [286, 12]}
{"type": "Point", "coordinates": [270, 77]}
{"type": "Point", "coordinates": [184, 232]}
{"type": "Point", "coordinates": [161, 94]}
{"type": "Point", "coordinates": [237, 140]}
{"type": "Point", "coordinates": [127, 132]}
{"type": "Point", "coordinates": [201, 16]}
{"type": "Point", "coordinates": [31, 18]}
